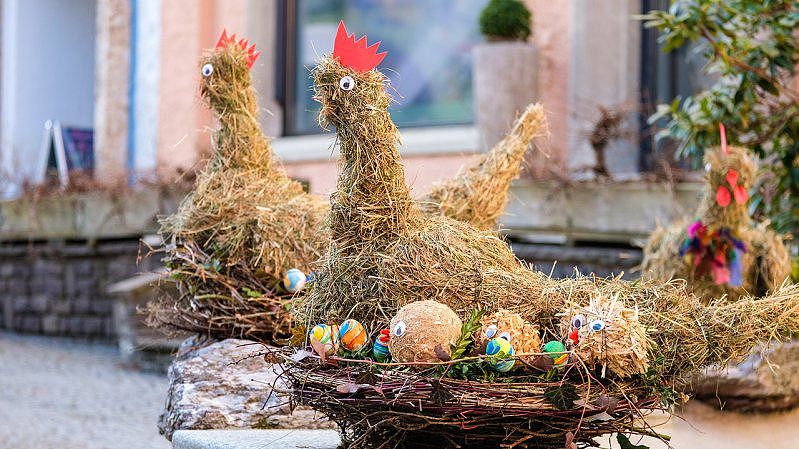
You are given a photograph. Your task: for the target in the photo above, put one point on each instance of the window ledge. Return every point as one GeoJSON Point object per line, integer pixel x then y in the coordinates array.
{"type": "Point", "coordinates": [432, 140]}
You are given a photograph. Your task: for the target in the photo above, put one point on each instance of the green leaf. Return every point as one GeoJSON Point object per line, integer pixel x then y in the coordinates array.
{"type": "Point", "coordinates": [468, 328]}
{"type": "Point", "coordinates": [624, 442]}
{"type": "Point", "coordinates": [562, 396]}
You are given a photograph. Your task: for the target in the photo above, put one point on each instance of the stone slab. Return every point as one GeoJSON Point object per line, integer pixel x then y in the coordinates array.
{"type": "Point", "coordinates": [255, 439]}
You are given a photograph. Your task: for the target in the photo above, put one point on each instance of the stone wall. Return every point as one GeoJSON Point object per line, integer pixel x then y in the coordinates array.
{"type": "Point", "coordinates": [561, 261]}
{"type": "Point", "coordinates": [59, 288]}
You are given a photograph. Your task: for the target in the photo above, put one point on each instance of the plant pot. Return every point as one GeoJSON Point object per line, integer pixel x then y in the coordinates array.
{"type": "Point", "coordinates": [504, 83]}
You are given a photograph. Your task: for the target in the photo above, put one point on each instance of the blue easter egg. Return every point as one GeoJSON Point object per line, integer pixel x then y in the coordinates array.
{"type": "Point", "coordinates": [294, 280]}
{"type": "Point", "coordinates": [501, 347]}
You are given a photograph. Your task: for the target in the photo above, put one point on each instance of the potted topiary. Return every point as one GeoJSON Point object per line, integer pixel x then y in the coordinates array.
{"type": "Point", "coordinates": [504, 68]}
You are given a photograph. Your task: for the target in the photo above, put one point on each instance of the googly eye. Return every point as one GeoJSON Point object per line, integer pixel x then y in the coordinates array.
{"type": "Point", "coordinates": [346, 83]}
{"type": "Point", "coordinates": [578, 321]}
{"type": "Point", "coordinates": [707, 167]}
{"type": "Point", "coordinates": [490, 331]}
{"type": "Point", "coordinates": [505, 336]}
{"type": "Point", "coordinates": [399, 329]}
{"type": "Point", "coordinates": [597, 325]}
{"type": "Point", "coordinates": [207, 70]}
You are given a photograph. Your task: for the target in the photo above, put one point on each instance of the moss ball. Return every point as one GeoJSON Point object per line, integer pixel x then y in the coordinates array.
{"type": "Point", "coordinates": [419, 327]}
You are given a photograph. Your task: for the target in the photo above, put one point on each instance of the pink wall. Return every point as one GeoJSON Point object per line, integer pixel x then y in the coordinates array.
{"type": "Point", "coordinates": [552, 36]}
{"type": "Point", "coordinates": [420, 171]}
{"type": "Point", "coordinates": [188, 26]}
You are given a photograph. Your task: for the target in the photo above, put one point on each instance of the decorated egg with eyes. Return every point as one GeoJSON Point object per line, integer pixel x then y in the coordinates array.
{"type": "Point", "coordinates": [352, 335]}
{"type": "Point", "coordinates": [557, 351]}
{"type": "Point", "coordinates": [380, 349]}
{"type": "Point", "coordinates": [323, 337]}
{"type": "Point", "coordinates": [423, 331]}
{"type": "Point", "coordinates": [294, 280]}
{"type": "Point", "coordinates": [501, 349]}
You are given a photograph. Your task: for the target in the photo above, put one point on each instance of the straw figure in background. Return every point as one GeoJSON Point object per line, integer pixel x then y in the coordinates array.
{"type": "Point", "coordinates": [245, 224]}
{"type": "Point", "coordinates": [721, 250]}
{"type": "Point", "coordinates": [248, 226]}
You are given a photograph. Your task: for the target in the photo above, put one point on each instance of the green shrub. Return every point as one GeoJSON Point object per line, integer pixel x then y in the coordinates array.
{"type": "Point", "coordinates": [753, 48]}
{"type": "Point", "coordinates": [506, 20]}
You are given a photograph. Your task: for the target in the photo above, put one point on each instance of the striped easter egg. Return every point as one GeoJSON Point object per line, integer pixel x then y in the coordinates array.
{"type": "Point", "coordinates": [501, 347]}
{"type": "Point", "coordinates": [380, 349]}
{"type": "Point", "coordinates": [324, 335]}
{"type": "Point", "coordinates": [352, 335]}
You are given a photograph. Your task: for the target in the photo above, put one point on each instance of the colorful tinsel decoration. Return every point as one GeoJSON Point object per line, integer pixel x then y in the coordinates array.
{"type": "Point", "coordinates": [714, 251]}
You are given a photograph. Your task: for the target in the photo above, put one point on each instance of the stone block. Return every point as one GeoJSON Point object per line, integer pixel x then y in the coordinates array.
{"type": "Point", "coordinates": [252, 439]}
{"type": "Point", "coordinates": [768, 380]}
{"type": "Point", "coordinates": [93, 325]}
{"type": "Point", "coordinates": [39, 303]}
{"type": "Point", "coordinates": [81, 304]}
{"type": "Point", "coordinates": [51, 324]}
{"type": "Point", "coordinates": [21, 304]}
{"type": "Point", "coordinates": [74, 325]}
{"type": "Point", "coordinates": [206, 391]}
{"type": "Point", "coordinates": [101, 305]}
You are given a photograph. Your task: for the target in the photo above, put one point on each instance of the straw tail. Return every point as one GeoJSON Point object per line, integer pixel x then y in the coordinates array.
{"type": "Point", "coordinates": [732, 329]}
{"type": "Point", "coordinates": [479, 194]}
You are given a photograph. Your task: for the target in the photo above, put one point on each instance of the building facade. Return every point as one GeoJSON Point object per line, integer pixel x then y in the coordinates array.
{"type": "Point", "coordinates": [127, 69]}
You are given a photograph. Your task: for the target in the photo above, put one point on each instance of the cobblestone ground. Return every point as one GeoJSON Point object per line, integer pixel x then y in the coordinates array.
{"type": "Point", "coordinates": [57, 394]}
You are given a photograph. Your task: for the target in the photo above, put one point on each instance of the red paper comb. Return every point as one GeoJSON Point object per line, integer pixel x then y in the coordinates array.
{"type": "Point", "coordinates": [355, 54]}
{"type": "Point", "coordinates": [252, 53]}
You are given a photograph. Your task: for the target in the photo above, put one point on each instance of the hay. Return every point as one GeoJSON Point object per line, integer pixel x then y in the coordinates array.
{"type": "Point", "coordinates": [478, 195]}
{"type": "Point", "coordinates": [766, 263]}
{"type": "Point", "coordinates": [246, 222]}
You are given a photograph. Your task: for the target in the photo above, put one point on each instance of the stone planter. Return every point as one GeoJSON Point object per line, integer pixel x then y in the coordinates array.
{"type": "Point", "coordinates": [504, 83]}
{"type": "Point", "coordinates": [613, 212]}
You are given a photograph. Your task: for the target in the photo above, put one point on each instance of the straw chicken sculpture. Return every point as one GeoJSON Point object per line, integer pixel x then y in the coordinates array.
{"type": "Point", "coordinates": [385, 253]}
{"type": "Point", "coordinates": [721, 251]}
{"type": "Point", "coordinates": [247, 222]}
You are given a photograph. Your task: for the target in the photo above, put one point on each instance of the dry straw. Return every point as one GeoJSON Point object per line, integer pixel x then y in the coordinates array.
{"type": "Point", "coordinates": [766, 263]}
{"type": "Point", "coordinates": [478, 195]}
{"type": "Point", "coordinates": [247, 222]}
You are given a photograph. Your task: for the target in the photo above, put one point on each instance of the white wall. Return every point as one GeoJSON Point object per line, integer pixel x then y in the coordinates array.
{"type": "Point", "coordinates": [146, 79]}
{"type": "Point", "coordinates": [47, 73]}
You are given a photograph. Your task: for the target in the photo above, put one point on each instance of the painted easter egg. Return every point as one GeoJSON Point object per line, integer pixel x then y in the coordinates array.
{"type": "Point", "coordinates": [557, 351]}
{"type": "Point", "coordinates": [324, 336]}
{"type": "Point", "coordinates": [501, 347]}
{"type": "Point", "coordinates": [294, 280]}
{"type": "Point", "coordinates": [380, 350]}
{"type": "Point", "coordinates": [352, 335]}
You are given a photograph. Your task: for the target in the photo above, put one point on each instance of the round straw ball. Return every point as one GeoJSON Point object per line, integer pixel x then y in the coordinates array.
{"type": "Point", "coordinates": [522, 335]}
{"type": "Point", "coordinates": [419, 327]}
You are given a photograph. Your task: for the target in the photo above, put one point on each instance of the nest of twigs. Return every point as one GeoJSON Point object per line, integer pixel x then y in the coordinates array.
{"type": "Point", "coordinates": [218, 301]}
{"type": "Point", "coordinates": [390, 405]}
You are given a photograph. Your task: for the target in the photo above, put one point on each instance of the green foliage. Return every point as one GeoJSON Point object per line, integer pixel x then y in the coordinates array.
{"type": "Point", "coordinates": [753, 49]}
{"type": "Point", "coordinates": [468, 328]}
{"type": "Point", "coordinates": [506, 19]}
{"type": "Point", "coordinates": [624, 442]}
{"type": "Point", "coordinates": [562, 396]}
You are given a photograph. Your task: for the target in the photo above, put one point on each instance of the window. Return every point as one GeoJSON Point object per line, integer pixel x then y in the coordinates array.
{"type": "Point", "coordinates": [429, 55]}
{"type": "Point", "coordinates": [664, 77]}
